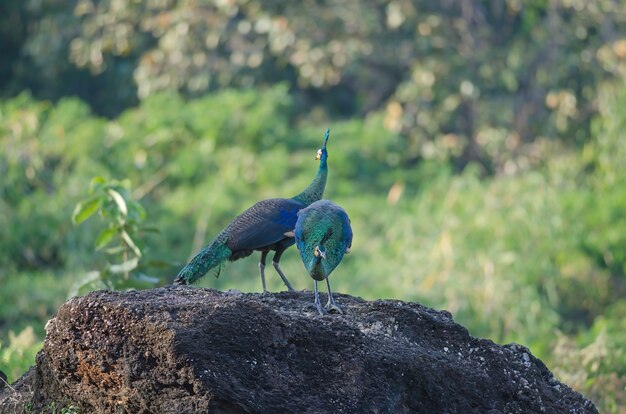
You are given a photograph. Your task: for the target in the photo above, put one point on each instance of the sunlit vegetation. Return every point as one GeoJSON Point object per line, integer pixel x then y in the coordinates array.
{"type": "Point", "coordinates": [477, 147]}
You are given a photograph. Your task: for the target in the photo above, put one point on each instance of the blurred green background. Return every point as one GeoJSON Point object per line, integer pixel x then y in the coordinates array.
{"type": "Point", "coordinates": [477, 146]}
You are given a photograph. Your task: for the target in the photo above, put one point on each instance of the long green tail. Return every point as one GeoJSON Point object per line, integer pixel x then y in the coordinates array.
{"type": "Point", "coordinates": [216, 253]}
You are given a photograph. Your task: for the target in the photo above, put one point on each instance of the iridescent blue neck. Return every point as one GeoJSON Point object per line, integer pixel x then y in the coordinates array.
{"type": "Point", "coordinates": [315, 190]}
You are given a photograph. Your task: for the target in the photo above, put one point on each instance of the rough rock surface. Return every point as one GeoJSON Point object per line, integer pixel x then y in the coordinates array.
{"type": "Point", "coordinates": [184, 350]}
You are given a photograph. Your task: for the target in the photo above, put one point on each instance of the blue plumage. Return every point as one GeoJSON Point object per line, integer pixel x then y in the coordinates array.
{"type": "Point", "coordinates": [263, 224]}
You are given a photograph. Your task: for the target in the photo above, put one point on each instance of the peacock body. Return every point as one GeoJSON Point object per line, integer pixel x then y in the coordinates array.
{"type": "Point", "coordinates": [266, 226]}
{"type": "Point", "coordinates": [323, 235]}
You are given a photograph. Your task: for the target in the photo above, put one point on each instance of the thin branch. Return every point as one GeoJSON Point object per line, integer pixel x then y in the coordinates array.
{"type": "Point", "coordinates": [150, 185]}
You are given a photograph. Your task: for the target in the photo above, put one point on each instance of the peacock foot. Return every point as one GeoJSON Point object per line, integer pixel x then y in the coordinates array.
{"type": "Point", "coordinates": [333, 308]}
{"type": "Point", "coordinates": [319, 308]}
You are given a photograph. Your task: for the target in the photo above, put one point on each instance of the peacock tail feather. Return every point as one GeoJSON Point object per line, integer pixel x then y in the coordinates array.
{"type": "Point", "coordinates": [213, 255]}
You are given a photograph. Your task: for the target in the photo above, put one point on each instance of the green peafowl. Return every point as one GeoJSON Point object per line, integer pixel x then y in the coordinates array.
{"type": "Point", "coordinates": [323, 235]}
{"type": "Point", "coordinates": [266, 226]}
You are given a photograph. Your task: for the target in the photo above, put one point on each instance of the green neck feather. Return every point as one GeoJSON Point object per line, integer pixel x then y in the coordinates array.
{"type": "Point", "coordinates": [315, 190]}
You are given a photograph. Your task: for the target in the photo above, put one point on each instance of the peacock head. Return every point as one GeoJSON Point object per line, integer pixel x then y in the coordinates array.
{"type": "Point", "coordinates": [321, 153]}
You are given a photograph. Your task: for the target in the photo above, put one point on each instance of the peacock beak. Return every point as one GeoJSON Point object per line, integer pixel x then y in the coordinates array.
{"type": "Point", "coordinates": [319, 253]}
{"type": "Point", "coordinates": [319, 151]}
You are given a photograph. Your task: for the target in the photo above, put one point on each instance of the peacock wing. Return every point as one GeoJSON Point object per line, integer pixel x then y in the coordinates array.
{"type": "Point", "coordinates": [263, 224]}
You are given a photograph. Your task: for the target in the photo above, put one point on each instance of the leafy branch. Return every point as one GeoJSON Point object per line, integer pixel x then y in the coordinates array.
{"type": "Point", "coordinates": [120, 239]}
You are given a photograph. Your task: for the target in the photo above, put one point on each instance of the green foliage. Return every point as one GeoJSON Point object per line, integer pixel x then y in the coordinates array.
{"type": "Point", "coordinates": [119, 239]}
{"type": "Point", "coordinates": [31, 298]}
{"type": "Point", "coordinates": [43, 145]}
{"type": "Point", "coordinates": [425, 100]}
{"type": "Point", "coordinates": [65, 409]}
{"type": "Point", "coordinates": [604, 213]}
{"type": "Point", "coordinates": [19, 354]}
{"type": "Point", "coordinates": [594, 362]}
{"type": "Point", "coordinates": [533, 253]}
{"type": "Point", "coordinates": [467, 81]}
{"type": "Point", "coordinates": [51, 152]}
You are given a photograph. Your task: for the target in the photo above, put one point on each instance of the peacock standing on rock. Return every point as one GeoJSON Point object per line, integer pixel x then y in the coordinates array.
{"type": "Point", "coordinates": [323, 235]}
{"type": "Point", "coordinates": [266, 226]}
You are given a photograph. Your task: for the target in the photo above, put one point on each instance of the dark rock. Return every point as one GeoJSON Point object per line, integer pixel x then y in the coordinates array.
{"type": "Point", "coordinates": [184, 350]}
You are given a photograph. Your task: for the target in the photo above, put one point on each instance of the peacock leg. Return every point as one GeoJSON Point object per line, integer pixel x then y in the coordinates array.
{"type": "Point", "coordinates": [331, 305]}
{"type": "Point", "coordinates": [275, 261]}
{"type": "Point", "coordinates": [318, 305]}
{"type": "Point", "coordinates": [262, 269]}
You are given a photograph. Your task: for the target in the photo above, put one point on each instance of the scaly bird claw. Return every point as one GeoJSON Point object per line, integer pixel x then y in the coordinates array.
{"type": "Point", "coordinates": [321, 310]}
{"type": "Point", "coordinates": [333, 307]}
{"type": "Point", "coordinates": [318, 307]}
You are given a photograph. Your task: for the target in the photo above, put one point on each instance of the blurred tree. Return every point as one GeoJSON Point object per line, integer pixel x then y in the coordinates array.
{"type": "Point", "coordinates": [474, 80]}
{"type": "Point", "coordinates": [12, 33]}
{"type": "Point", "coordinates": [514, 258]}
{"type": "Point", "coordinates": [35, 38]}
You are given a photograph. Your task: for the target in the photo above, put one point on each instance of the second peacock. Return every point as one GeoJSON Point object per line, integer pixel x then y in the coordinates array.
{"type": "Point", "coordinates": [323, 235]}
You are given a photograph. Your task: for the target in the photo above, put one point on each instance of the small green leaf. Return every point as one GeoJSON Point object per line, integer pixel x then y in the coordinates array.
{"type": "Point", "coordinates": [124, 267]}
{"type": "Point", "coordinates": [86, 209]}
{"type": "Point", "coordinates": [130, 243]}
{"type": "Point", "coordinates": [97, 183]}
{"type": "Point", "coordinates": [105, 237]}
{"type": "Point", "coordinates": [119, 200]}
